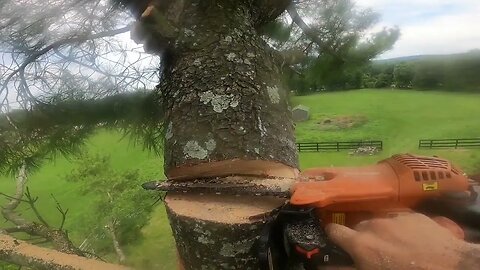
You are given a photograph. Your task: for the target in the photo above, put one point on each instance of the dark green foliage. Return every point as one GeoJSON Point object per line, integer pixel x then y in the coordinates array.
{"type": "Point", "coordinates": [34, 145]}
{"type": "Point", "coordinates": [337, 46]}
{"type": "Point", "coordinates": [429, 75]}
{"type": "Point", "coordinates": [277, 30]}
{"type": "Point", "coordinates": [403, 75]}
{"type": "Point", "coordinates": [7, 266]}
{"type": "Point", "coordinates": [450, 73]}
{"type": "Point", "coordinates": [61, 127]}
{"type": "Point", "coordinates": [456, 72]}
{"type": "Point", "coordinates": [383, 80]}
{"type": "Point", "coordinates": [120, 200]}
{"type": "Point", "coordinates": [326, 71]}
{"type": "Point", "coordinates": [377, 75]}
{"type": "Point", "coordinates": [298, 84]}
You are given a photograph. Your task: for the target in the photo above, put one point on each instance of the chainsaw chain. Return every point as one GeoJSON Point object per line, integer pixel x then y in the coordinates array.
{"type": "Point", "coordinates": [230, 185]}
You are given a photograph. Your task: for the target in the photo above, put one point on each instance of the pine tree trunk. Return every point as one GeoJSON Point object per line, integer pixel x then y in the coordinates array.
{"type": "Point", "coordinates": [226, 113]}
{"type": "Point", "coordinates": [225, 99]}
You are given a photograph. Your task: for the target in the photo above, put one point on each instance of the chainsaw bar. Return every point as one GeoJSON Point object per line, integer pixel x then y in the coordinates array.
{"type": "Point", "coordinates": [230, 185]}
{"type": "Point", "coordinates": [253, 185]}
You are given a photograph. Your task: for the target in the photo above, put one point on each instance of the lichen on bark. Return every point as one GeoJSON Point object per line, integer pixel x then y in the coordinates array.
{"type": "Point", "coordinates": [223, 76]}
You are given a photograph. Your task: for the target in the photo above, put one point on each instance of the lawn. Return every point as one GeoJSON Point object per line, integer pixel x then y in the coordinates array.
{"type": "Point", "coordinates": [51, 179]}
{"type": "Point", "coordinates": [399, 118]}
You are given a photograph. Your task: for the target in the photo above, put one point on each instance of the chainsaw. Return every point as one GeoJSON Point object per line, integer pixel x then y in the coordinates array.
{"type": "Point", "coordinates": [346, 196]}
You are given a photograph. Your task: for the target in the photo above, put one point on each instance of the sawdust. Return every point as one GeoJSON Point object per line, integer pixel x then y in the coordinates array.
{"type": "Point", "coordinates": [232, 167]}
{"type": "Point", "coordinates": [341, 122]}
{"type": "Point", "coordinates": [59, 260]}
{"type": "Point", "coordinates": [221, 208]}
{"type": "Point", "coordinates": [230, 209]}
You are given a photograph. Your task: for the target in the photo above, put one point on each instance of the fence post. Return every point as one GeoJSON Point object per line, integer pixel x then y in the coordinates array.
{"type": "Point", "coordinates": [431, 144]}
{"type": "Point", "coordinates": [338, 147]}
{"type": "Point", "coordinates": [456, 143]}
{"type": "Point", "coordinates": [317, 147]}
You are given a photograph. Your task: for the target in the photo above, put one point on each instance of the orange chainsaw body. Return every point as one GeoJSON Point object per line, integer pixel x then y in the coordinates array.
{"type": "Point", "coordinates": [349, 195]}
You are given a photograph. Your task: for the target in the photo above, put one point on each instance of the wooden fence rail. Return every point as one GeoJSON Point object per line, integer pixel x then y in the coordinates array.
{"type": "Point", "coordinates": [337, 146]}
{"type": "Point", "coordinates": [449, 143]}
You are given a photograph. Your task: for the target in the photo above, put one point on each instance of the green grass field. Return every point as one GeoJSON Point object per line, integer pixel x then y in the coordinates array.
{"type": "Point", "coordinates": [399, 118]}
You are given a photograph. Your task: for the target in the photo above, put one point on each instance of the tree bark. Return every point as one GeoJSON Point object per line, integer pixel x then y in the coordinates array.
{"type": "Point", "coordinates": [218, 232]}
{"type": "Point", "coordinates": [224, 98]}
{"type": "Point", "coordinates": [226, 113]}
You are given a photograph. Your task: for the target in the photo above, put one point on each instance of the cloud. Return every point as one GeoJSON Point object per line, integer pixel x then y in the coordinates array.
{"type": "Point", "coordinates": [430, 27]}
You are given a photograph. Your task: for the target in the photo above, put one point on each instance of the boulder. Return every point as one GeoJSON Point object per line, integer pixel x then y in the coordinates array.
{"type": "Point", "coordinates": [301, 113]}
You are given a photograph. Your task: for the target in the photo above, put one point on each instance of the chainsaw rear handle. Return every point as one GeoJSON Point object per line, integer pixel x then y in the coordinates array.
{"type": "Point", "coordinates": [310, 245]}
{"type": "Point", "coordinates": [296, 236]}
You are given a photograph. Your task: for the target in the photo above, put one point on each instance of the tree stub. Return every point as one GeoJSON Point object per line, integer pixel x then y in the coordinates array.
{"type": "Point", "coordinates": [204, 226]}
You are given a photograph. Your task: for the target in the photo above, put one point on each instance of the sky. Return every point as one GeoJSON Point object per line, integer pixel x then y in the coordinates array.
{"type": "Point", "coordinates": [429, 26]}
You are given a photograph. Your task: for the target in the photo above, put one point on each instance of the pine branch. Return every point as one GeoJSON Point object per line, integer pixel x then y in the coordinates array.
{"type": "Point", "coordinates": [12, 197]}
{"type": "Point", "coordinates": [310, 32]}
{"type": "Point", "coordinates": [22, 253]}
{"type": "Point", "coordinates": [62, 126]}
{"type": "Point", "coordinates": [62, 212]}
{"type": "Point", "coordinates": [78, 38]}
{"type": "Point", "coordinates": [268, 10]}
{"type": "Point", "coordinates": [31, 201]}
{"type": "Point", "coordinates": [8, 211]}
{"type": "Point", "coordinates": [12, 230]}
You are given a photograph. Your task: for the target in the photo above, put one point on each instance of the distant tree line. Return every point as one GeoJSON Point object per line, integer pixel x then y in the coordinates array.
{"type": "Point", "coordinates": [455, 72]}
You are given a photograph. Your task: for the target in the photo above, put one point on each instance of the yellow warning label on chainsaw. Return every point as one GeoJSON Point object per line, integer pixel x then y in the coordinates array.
{"type": "Point", "coordinates": [338, 218]}
{"type": "Point", "coordinates": [430, 187]}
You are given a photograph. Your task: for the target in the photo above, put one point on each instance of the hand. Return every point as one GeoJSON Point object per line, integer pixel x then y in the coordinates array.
{"type": "Point", "coordinates": [410, 241]}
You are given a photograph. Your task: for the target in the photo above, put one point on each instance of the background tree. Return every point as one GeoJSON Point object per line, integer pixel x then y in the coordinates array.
{"type": "Point", "coordinates": [378, 75]}
{"type": "Point", "coordinates": [403, 75]}
{"type": "Point", "coordinates": [455, 72]}
{"type": "Point", "coordinates": [336, 43]}
{"type": "Point", "coordinates": [122, 209]}
{"type": "Point", "coordinates": [42, 233]}
{"type": "Point", "coordinates": [428, 75]}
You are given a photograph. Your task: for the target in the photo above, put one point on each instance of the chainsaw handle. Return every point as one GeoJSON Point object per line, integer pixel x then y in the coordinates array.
{"type": "Point", "coordinates": [296, 235]}
{"type": "Point", "coordinates": [310, 245]}
{"type": "Point", "coordinates": [330, 256]}
{"type": "Point", "coordinates": [336, 257]}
